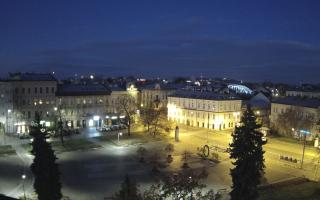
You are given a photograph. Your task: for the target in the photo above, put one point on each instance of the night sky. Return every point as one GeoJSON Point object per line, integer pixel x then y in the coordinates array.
{"type": "Point", "coordinates": [249, 40]}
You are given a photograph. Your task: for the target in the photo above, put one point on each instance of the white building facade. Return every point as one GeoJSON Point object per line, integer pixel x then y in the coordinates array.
{"type": "Point", "coordinates": [204, 109]}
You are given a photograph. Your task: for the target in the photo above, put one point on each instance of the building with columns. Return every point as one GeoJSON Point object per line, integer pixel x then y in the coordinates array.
{"type": "Point", "coordinates": [204, 109]}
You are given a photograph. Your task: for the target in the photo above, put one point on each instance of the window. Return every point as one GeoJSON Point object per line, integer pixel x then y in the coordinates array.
{"type": "Point", "coordinates": [41, 90]}
{"type": "Point", "coordinates": [47, 90]}
{"type": "Point", "coordinates": [29, 90]}
{"type": "Point", "coordinates": [23, 90]}
{"type": "Point", "coordinates": [17, 90]}
{"type": "Point", "coordinates": [35, 90]}
{"type": "Point", "coordinates": [29, 114]}
{"type": "Point", "coordinates": [52, 90]}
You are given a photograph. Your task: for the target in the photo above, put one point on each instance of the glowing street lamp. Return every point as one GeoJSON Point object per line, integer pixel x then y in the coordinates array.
{"type": "Point", "coordinates": [119, 134]}
{"type": "Point", "coordinates": [24, 192]}
{"type": "Point", "coordinates": [305, 133]}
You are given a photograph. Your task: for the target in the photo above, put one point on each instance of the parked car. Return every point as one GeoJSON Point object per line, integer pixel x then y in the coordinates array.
{"type": "Point", "coordinates": [107, 128]}
{"type": "Point", "coordinates": [24, 136]}
{"type": "Point", "coordinates": [100, 129]}
{"type": "Point", "coordinates": [123, 126]}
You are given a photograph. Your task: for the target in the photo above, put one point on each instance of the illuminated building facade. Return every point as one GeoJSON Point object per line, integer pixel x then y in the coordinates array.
{"type": "Point", "coordinates": [204, 109]}
{"type": "Point", "coordinates": [6, 108]}
{"type": "Point", "coordinates": [307, 108]}
{"type": "Point", "coordinates": [32, 93]}
{"type": "Point", "coordinates": [156, 95]}
{"type": "Point", "coordinates": [82, 106]}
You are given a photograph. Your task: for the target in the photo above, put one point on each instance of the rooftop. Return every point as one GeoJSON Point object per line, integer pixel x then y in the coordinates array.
{"type": "Point", "coordinates": [164, 86]}
{"type": "Point", "coordinates": [82, 90]}
{"type": "Point", "coordinates": [31, 77]}
{"type": "Point", "coordinates": [297, 101]}
{"type": "Point", "coordinates": [203, 95]}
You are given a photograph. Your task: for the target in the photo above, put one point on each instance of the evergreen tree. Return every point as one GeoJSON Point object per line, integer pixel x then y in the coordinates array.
{"type": "Point", "coordinates": [47, 177]}
{"type": "Point", "coordinates": [247, 152]}
{"type": "Point", "coordinates": [128, 191]}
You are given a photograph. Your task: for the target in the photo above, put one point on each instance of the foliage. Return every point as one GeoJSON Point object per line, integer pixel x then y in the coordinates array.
{"type": "Point", "coordinates": [47, 177]}
{"type": "Point", "coordinates": [247, 153]}
{"type": "Point", "coordinates": [184, 185]}
{"type": "Point", "coordinates": [292, 118]}
{"type": "Point", "coordinates": [128, 191]}
{"type": "Point", "coordinates": [127, 105]}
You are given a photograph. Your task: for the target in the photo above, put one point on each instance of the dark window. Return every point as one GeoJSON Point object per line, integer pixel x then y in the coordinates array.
{"type": "Point", "coordinates": [29, 90]}
{"type": "Point", "coordinates": [17, 90]}
{"type": "Point", "coordinates": [41, 90]}
{"type": "Point", "coordinates": [35, 90]}
{"type": "Point", "coordinates": [47, 90]}
{"type": "Point", "coordinates": [23, 90]}
{"type": "Point", "coordinates": [52, 90]}
{"type": "Point", "coordinates": [29, 114]}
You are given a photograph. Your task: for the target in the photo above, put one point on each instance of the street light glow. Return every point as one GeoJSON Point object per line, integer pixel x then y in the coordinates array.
{"type": "Point", "coordinates": [24, 176]}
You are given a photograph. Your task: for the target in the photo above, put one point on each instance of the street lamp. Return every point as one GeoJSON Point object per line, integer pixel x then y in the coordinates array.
{"type": "Point", "coordinates": [24, 192]}
{"type": "Point", "coordinates": [119, 134]}
{"type": "Point", "coordinates": [305, 133]}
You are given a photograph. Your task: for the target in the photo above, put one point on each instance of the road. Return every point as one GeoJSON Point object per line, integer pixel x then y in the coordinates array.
{"type": "Point", "coordinates": [97, 173]}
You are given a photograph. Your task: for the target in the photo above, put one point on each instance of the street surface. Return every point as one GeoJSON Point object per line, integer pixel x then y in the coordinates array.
{"type": "Point", "coordinates": [97, 173]}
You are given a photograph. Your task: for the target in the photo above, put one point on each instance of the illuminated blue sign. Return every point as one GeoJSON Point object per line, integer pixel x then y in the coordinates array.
{"type": "Point", "coordinates": [305, 132]}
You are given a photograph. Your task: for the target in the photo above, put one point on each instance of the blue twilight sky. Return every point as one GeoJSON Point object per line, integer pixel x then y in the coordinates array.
{"type": "Point", "coordinates": [277, 40]}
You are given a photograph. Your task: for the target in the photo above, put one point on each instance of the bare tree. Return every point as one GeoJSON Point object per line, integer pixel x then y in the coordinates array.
{"type": "Point", "coordinates": [127, 105]}
{"type": "Point", "coordinates": [156, 120]}
{"type": "Point", "coordinates": [147, 116]}
{"type": "Point", "coordinates": [59, 122]}
{"type": "Point", "coordinates": [293, 119]}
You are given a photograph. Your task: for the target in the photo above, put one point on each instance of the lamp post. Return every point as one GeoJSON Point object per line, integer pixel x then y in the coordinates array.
{"type": "Point", "coordinates": [24, 192]}
{"type": "Point", "coordinates": [119, 134]}
{"type": "Point", "coordinates": [305, 133]}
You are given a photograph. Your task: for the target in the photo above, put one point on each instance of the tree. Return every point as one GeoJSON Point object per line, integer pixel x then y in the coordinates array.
{"type": "Point", "coordinates": [127, 105]}
{"type": "Point", "coordinates": [147, 116]}
{"type": "Point", "coordinates": [292, 119]}
{"type": "Point", "coordinates": [247, 153]}
{"type": "Point", "coordinates": [47, 177]}
{"type": "Point", "coordinates": [185, 185]}
{"type": "Point", "coordinates": [128, 191]}
{"type": "Point", "coordinates": [161, 122]}
{"type": "Point", "coordinates": [156, 119]}
{"type": "Point", "coordinates": [59, 122]}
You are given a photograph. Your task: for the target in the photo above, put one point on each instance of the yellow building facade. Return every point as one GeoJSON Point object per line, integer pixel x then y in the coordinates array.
{"type": "Point", "coordinates": [205, 110]}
